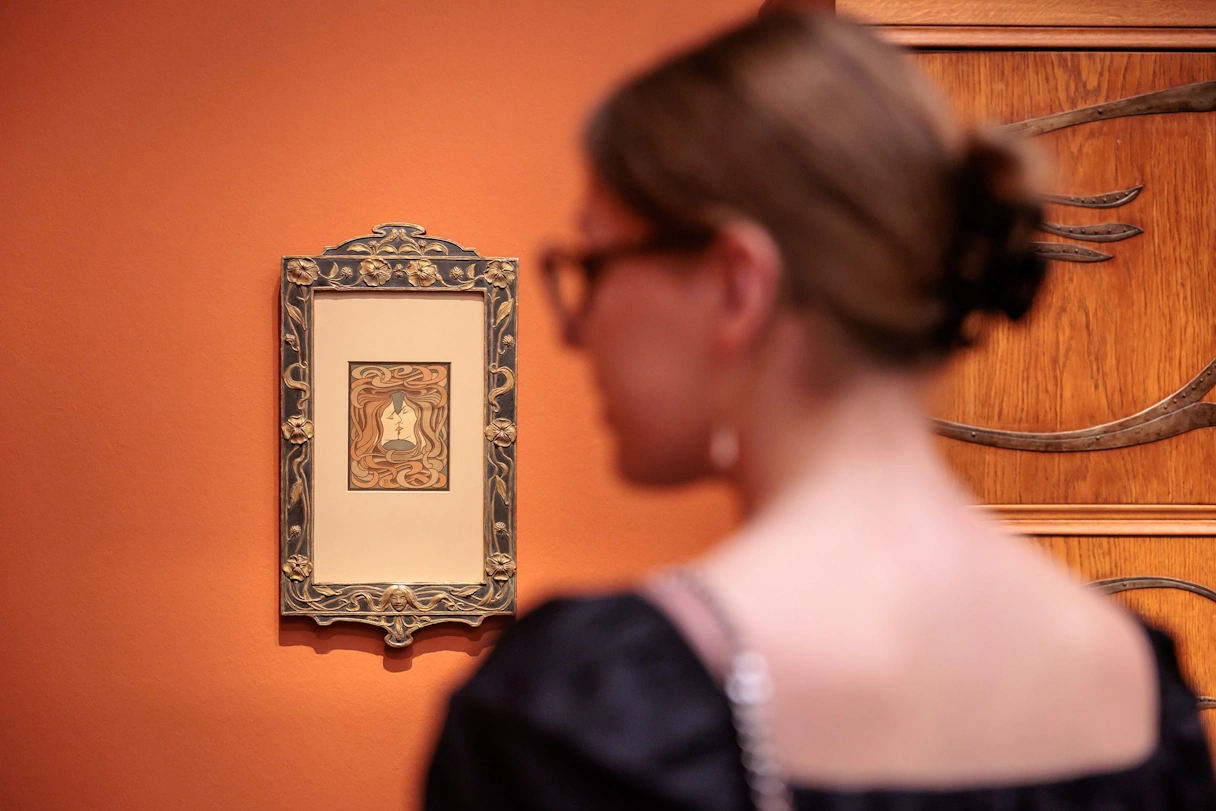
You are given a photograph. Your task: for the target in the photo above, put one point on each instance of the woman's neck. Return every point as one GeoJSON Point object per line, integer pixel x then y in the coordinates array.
{"type": "Point", "coordinates": [870, 435]}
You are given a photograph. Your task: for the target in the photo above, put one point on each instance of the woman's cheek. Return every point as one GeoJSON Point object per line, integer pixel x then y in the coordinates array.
{"type": "Point", "coordinates": [647, 343]}
{"type": "Point", "coordinates": [633, 337]}
{"type": "Point", "coordinates": [623, 356]}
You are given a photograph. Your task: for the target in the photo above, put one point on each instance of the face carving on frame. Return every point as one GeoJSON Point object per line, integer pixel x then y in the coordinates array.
{"type": "Point", "coordinates": [648, 333]}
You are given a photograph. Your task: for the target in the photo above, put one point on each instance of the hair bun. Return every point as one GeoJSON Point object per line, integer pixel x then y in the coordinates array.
{"type": "Point", "coordinates": [992, 266]}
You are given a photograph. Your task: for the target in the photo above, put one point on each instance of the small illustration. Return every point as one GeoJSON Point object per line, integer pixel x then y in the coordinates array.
{"type": "Point", "coordinates": [398, 426]}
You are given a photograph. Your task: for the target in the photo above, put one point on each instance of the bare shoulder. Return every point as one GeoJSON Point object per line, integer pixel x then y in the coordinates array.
{"type": "Point", "coordinates": [972, 664]}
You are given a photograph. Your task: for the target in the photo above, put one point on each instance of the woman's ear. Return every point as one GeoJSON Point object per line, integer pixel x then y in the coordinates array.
{"type": "Point", "coordinates": [750, 263]}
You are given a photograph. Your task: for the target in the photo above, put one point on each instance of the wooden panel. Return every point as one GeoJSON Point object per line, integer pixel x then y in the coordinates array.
{"type": "Point", "coordinates": [1037, 37]}
{"type": "Point", "coordinates": [1109, 339]}
{"type": "Point", "coordinates": [1189, 618]}
{"type": "Point", "coordinates": [1143, 13]}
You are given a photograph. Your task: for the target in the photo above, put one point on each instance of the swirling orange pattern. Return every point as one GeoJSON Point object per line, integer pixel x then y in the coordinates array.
{"type": "Point", "coordinates": [425, 386]}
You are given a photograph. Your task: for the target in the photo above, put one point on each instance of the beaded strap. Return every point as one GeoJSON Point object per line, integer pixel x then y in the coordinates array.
{"type": "Point", "coordinates": [749, 689]}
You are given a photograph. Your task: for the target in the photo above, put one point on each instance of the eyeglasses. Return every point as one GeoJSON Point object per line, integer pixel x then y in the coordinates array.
{"type": "Point", "coordinates": [570, 275]}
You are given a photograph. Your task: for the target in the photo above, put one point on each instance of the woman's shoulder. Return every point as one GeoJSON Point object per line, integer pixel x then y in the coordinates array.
{"type": "Point", "coordinates": [1177, 775]}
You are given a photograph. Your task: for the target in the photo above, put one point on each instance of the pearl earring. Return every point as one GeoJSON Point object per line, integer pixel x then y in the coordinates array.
{"type": "Point", "coordinates": [723, 447]}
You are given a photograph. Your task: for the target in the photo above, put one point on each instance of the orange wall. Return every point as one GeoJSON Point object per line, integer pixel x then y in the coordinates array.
{"type": "Point", "coordinates": [156, 160]}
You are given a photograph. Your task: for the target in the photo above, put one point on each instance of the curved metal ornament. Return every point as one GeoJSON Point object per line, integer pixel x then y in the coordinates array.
{"type": "Point", "coordinates": [397, 256]}
{"type": "Point", "coordinates": [1111, 199]}
{"type": "Point", "coordinates": [1178, 413]}
{"type": "Point", "coordinates": [1065, 252]}
{"type": "Point", "coordinates": [1191, 98]}
{"type": "Point", "coordinates": [1115, 585]}
{"type": "Point", "coordinates": [1104, 232]}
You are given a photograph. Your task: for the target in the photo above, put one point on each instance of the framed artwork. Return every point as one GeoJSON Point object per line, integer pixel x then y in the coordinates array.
{"type": "Point", "coordinates": [398, 426]}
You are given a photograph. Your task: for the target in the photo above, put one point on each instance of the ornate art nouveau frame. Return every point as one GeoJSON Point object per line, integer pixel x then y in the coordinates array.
{"type": "Point", "coordinates": [397, 257]}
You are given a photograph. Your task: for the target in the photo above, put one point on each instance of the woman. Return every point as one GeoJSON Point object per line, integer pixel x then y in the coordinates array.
{"type": "Point", "coordinates": [783, 235]}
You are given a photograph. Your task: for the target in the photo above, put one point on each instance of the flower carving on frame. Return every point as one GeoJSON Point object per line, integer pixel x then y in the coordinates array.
{"type": "Point", "coordinates": [500, 528]}
{"type": "Point", "coordinates": [508, 341]}
{"type": "Point", "coordinates": [297, 567]}
{"type": "Point", "coordinates": [374, 272]}
{"type": "Point", "coordinates": [302, 272]}
{"type": "Point", "coordinates": [422, 272]}
{"type": "Point", "coordinates": [501, 432]}
{"type": "Point", "coordinates": [500, 567]}
{"type": "Point", "coordinates": [297, 430]}
{"type": "Point", "coordinates": [500, 273]}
